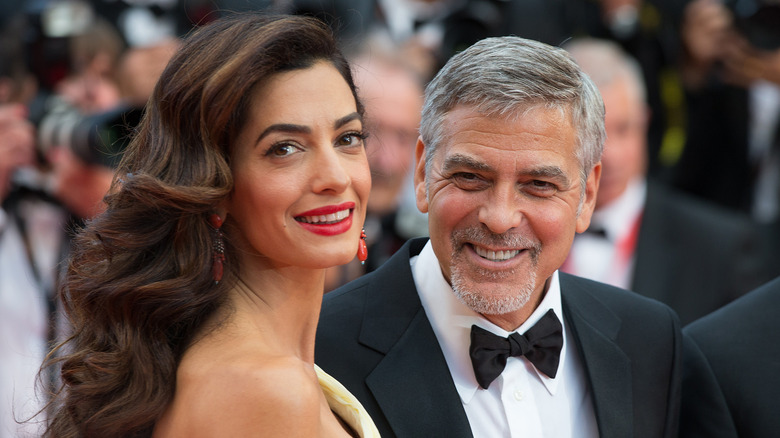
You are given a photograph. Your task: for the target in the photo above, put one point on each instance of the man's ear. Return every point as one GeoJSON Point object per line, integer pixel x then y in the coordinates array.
{"type": "Point", "coordinates": [420, 193]}
{"type": "Point", "coordinates": [589, 200]}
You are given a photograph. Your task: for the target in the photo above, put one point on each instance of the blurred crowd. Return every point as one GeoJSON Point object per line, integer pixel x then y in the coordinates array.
{"type": "Point", "coordinates": [688, 211]}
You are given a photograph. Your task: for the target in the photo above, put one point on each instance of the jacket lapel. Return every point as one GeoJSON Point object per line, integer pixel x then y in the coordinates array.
{"type": "Point", "coordinates": [595, 329]}
{"type": "Point", "coordinates": [395, 324]}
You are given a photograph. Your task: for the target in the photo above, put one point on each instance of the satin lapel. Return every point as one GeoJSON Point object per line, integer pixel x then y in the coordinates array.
{"type": "Point", "coordinates": [415, 370]}
{"type": "Point", "coordinates": [412, 383]}
{"type": "Point", "coordinates": [595, 329]}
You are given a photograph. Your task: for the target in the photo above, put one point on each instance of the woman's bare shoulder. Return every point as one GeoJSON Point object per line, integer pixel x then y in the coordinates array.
{"type": "Point", "coordinates": [268, 396]}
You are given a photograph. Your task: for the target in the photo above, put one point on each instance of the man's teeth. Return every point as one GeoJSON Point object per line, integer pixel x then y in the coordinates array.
{"type": "Point", "coordinates": [324, 218]}
{"type": "Point", "coordinates": [496, 256]}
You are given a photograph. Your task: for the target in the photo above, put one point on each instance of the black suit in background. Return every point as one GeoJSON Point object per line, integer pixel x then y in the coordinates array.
{"type": "Point", "coordinates": [715, 164]}
{"type": "Point", "coordinates": [695, 256]}
{"type": "Point", "coordinates": [732, 369]}
{"type": "Point", "coordinates": [375, 338]}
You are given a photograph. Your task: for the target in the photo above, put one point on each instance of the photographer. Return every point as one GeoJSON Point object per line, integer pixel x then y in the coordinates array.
{"type": "Point", "coordinates": [731, 73]}
{"type": "Point", "coordinates": [30, 233]}
{"type": "Point", "coordinates": [83, 102]}
{"type": "Point", "coordinates": [63, 125]}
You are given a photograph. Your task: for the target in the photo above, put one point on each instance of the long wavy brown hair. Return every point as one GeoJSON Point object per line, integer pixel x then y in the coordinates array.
{"type": "Point", "coordinates": [138, 284]}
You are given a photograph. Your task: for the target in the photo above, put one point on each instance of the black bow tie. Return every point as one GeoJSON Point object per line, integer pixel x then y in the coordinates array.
{"type": "Point", "coordinates": [541, 345]}
{"type": "Point", "coordinates": [597, 231]}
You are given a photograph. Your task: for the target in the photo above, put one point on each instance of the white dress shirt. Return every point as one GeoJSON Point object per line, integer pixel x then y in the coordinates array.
{"type": "Point", "coordinates": [23, 333]}
{"type": "Point", "coordinates": [521, 402]}
{"type": "Point", "coordinates": [764, 100]}
{"type": "Point", "coordinates": [607, 258]}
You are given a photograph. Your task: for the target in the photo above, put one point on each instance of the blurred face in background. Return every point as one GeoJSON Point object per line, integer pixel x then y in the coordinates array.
{"type": "Point", "coordinates": [625, 150]}
{"type": "Point", "coordinates": [393, 100]}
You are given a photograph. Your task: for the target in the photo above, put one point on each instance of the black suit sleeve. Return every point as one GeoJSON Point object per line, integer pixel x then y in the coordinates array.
{"type": "Point", "coordinates": [705, 412]}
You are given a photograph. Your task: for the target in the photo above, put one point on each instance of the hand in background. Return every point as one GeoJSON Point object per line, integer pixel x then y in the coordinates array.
{"type": "Point", "coordinates": [17, 143]}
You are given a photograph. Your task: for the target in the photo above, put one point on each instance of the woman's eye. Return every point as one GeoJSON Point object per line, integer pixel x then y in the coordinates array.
{"type": "Point", "coordinates": [351, 139]}
{"type": "Point", "coordinates": [280, 150]}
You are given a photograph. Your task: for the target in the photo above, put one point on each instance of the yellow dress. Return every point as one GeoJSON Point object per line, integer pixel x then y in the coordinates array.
{"type": "Point", "coordinates": [346, 406]}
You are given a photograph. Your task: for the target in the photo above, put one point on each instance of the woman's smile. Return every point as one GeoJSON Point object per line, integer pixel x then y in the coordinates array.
{"type": "Point", "coordinates": [326, 215]}
{"type": "Point", "coordinates": [329, 220]}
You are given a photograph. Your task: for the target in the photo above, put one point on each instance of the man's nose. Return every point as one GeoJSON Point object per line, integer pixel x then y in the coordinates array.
{"type": "Point", "coordinates": [502, 210]}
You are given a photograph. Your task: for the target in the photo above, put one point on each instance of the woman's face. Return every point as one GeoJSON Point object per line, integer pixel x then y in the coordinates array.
{"type": "Point", "coordinates": [301, 178]}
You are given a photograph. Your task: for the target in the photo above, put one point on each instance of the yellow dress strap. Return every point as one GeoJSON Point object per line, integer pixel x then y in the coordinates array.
{"type": "Point", "coordinates": [346, 405]}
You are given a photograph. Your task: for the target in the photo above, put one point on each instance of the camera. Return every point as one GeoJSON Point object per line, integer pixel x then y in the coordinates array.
{"type": "Point", "coordinates": [759, 22]}
{"type": "Point", "coordinates": [95, 139]}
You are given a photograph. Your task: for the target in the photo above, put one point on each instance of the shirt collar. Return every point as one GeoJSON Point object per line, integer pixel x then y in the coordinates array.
{"type": "Point", "coordinates": [612, 217]}
{"type": "Point", "coordinates": [3, 220]}
{"type": "Point", "coordinates": [452, 320]}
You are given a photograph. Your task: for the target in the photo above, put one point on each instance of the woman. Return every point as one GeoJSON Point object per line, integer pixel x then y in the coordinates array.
{"type": "Point", "coordinates": [195, 297]}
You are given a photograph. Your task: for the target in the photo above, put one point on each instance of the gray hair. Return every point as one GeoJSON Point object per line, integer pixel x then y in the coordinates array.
{"type": "Point", "coordinates": [505, 76]}
{"type": "Point", "coordinates": [606, 63]}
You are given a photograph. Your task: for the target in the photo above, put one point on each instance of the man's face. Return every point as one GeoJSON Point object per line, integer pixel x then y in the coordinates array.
{"type": "Point", "coordinates": [393, 101]}
{"type": "Point", "coordinates": [502, 198]}
{"type": "Point", "coordinates": [625, 150]}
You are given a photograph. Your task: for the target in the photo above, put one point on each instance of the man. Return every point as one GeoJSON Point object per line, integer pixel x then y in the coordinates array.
{"type": "Point", "coordinates": [30, 230]}
{"type": "Point", "coordinates": [731, 367]}
{"type": "Point", "coordinates": [507, 170]}
{"type": "Point", "coordinates": [730, 73]}
{"type": "Point", "coordinates": [692, 255]}
{"type": "Point", "coordinates": [392, 93]}
{"type": "Point", "coordinates": [29, 227]}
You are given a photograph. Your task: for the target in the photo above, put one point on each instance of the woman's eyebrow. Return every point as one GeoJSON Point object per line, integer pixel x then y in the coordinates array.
{"type": "Point", "coordinates": [301, 129]}
{"type": "Point", "coordinates": [284, 127]}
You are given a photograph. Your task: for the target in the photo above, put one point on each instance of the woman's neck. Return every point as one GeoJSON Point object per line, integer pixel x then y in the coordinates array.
{"type": "Point", "coordinates": [283, 305]}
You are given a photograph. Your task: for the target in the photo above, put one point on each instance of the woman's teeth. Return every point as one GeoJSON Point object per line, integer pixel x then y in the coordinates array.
{"type": "Point", "coordinates": [496, 256]}
{"type": "Point", "coordinates": [325, 218]}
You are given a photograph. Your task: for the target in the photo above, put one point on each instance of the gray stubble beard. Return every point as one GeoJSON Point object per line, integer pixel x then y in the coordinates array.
{"type": "Point", "coordinates": [502, 297]}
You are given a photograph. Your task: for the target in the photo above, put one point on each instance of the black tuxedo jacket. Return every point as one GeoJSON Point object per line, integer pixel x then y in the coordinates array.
{"type": "Point", "coordinates": [375, 338]}
{"type": "Point", "coordinates": [694, 256]}
{"type": "Point", "coordinates": [732, 369]}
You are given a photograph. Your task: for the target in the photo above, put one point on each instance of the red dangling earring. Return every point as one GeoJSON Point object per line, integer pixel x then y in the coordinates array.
{"type": "Point", "coordinates": [217, 266]}
{"type": "Point", "coordinates": [362, 253]}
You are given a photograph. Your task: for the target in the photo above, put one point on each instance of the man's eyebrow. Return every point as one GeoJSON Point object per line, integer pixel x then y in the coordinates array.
{"type": "Point", "coordinates": [301, 129]}
{"type": "Point", "coordinates": [460, 161]}
{"type": "Point", "coordinates": [550, 172]}
{"type": "Point", "coordinates": [457, 161]}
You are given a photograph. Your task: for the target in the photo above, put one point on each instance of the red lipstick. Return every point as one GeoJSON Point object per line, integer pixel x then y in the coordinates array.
{"type": "Point", "coordinates": [327, 228]}
{"type": "Point", "coordinates": [328, 209]}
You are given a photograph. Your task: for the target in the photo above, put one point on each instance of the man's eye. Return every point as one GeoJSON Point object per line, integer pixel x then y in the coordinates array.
{"type": "Point", "coordinates": [466, 176]}
{"type": "Point", "coordinates": [468, 181]}
{"type": "Point", "coordinates": [541, 188]}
